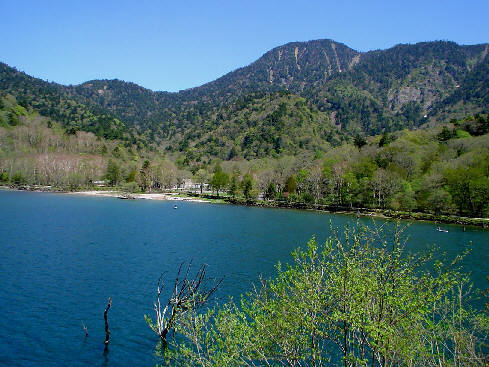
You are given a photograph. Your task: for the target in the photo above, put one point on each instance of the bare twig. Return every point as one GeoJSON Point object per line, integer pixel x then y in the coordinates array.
{"type": "Point", "coordinates": [189, 293]}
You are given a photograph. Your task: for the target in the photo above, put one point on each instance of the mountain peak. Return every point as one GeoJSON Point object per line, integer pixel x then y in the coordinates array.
{"type": "Point", "coordinates": [370, 91]}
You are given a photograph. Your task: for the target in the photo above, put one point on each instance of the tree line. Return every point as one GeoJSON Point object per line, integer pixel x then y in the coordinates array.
{"type": "Point", "coordinates": [439, 170]}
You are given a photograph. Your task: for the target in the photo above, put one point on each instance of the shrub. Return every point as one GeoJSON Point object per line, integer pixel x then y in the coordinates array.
{"type": "Point", "coordinates": [18, 179]}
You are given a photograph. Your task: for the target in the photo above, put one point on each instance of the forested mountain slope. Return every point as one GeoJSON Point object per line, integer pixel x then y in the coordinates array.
{"type": "Point", "coordinates": [472, 94]}
{"type": "Point", "coordinates": [356, 93]}
{"type": "Point", "coordinates": [54, 101]}
{"type": "Point", "coordinates": [437, 170]}
{"type": "Point", "coordinates": [257, 125]}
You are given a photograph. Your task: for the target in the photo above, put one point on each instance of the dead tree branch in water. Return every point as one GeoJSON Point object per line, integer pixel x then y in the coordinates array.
{"type": "Point", "coordinates": [189, 293]}
{"type": "Point", "coordinates": [107, 331]}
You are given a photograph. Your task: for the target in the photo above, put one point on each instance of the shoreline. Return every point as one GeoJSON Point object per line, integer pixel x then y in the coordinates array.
{"type": "Point", "coordinates": [210, 198]}
{"type": "Point", "coordinates": [143, 196]}
{"type": "Point", "coordinates": [110, 193]}
{"type": "Point", "coordinates": [371, 212]}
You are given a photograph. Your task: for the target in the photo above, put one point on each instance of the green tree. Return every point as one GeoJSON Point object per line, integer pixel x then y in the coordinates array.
{"type": "Point", "coordinates": [3, 176]}
{"type": "Point", "coordinates": [349, 189]}
{"type": "Point", "coordinates": [201, 178]}
{"type": "Point", "coordinates": [145, 176]}
{"type": "Point", "coordinates": [386, 139]}
{"type": "Point", "coordinates": [233, 186]}
{"type": "Point", "coordinates": [247, 186]}
{"type": "Point", "coordinates": [445, 134]}
{"type": "Point", "coordinates": [469, 188]}
{"type": "Point", "coordinates": [302, 178]}
{"type": "Point", "coordinates": [359, 141]}
{"type": "Point", "coordinates": [439, 201]}
{"type": "Point", "coordinates": [112, 174]}
{"type": "Point", "coordinates": [405, 198]}
{"type": "Point", "coordinates": [271, 192]}
{"type": "Point", "coordinates": [290, 185]}
{"type": "Point", "coordinates": [131, 176]}
{"type": "Point", "coordinates": [232, 153]}
{"type": "Point", "coordinates": [360, 300]}
{"type": "Point", "coordinates": [18, 178]}
{"type": "Point", "coordinates": [219, 180]}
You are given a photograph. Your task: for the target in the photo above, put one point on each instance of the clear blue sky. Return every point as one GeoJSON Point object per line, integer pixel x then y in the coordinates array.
{"type": "Point", "coordinates": [175, 45]}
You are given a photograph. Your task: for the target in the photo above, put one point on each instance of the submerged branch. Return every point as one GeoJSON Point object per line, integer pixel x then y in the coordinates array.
{"type": "Point", "coordinates": [107, 331]}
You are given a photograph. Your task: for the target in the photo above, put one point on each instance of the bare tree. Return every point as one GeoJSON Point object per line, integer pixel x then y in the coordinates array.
{"type": "Point", "coordinates": [201, 177]}
{"type": "Point", "coordinates": [188, 294]}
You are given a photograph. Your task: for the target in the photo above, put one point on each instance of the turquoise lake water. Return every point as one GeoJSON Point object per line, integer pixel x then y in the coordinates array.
{"type": "Point", "coordinates": [63, 255]}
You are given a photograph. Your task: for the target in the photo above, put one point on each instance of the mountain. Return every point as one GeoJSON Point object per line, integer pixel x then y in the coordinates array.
{"type": "Point", "coordinates": [370, 92]}
{"type": "Point", "coordinates": [471, 95]}
{"type": "Point", "coordinates": [294, 66]}
{"type": "Point", "coordinates": [396, 88]}
{"type": "Point", "coordinates": [54, 101]}
{"type": "Point", "coordinates": [344, 92]}
{"type": "Point", "coordinates": [256, 125]}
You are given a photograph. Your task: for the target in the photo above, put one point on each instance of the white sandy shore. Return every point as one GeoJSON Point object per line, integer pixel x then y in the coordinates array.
{"type": "Point", "coordinates": [138, 196]}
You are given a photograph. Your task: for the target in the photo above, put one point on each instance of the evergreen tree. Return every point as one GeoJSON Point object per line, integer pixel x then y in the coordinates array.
{"type": "Point", "coordinates": [247, 185]}
{"type": "Point", "coordinates": [113, 173]}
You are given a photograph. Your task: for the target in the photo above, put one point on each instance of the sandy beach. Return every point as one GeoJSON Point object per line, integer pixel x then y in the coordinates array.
{"type": "Point", "coordinates": [152, 196]}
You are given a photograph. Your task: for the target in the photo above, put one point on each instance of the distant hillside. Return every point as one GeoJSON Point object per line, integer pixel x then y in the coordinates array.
{"type": "Point", "coordinates": [358, 93]}
{"type": "Point", "coordinates": [58, 103]}
{"type": "Point", "coordinates": [255, 126]}
{"type": "Point", "coordinates": [440, 170]}
{"type": "Point", "coordinates": [471, 95]}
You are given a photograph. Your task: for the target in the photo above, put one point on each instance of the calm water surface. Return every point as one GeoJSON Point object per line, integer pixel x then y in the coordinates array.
{"type": "Point", "coordinates": [62, 256]}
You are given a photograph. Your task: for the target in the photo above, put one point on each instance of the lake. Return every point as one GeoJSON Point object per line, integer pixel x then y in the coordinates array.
{"type": "Point", "coordinates": [63, 255]}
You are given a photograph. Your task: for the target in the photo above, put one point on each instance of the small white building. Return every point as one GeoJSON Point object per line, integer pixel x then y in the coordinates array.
{"type": "Point", "coordinates": [188, 185]}
{"type": "Point", "coordinates": [100, 183]}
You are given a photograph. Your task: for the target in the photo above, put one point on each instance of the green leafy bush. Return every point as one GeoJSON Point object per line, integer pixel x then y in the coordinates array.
{"type": "Point", "coordinates": [360, 299]}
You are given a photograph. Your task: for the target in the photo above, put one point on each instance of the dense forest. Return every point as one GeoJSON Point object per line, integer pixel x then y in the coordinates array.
{"type": "Point", "coordinates": [309, 122]}
{"type": "Point", "coordinates": [35, 150]}
{"type": "Point", "coordinates": [439, 170]}
{"type": "Point", "coordinates": [368, 93]}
